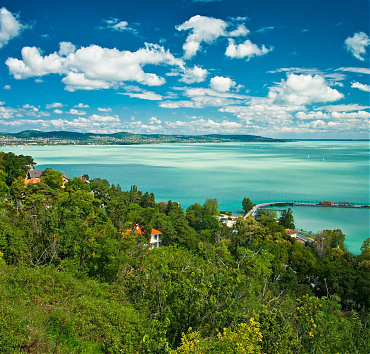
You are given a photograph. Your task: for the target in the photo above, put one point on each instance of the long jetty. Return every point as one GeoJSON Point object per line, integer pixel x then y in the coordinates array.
{"type": "Point", "coordinates": [254, 210]}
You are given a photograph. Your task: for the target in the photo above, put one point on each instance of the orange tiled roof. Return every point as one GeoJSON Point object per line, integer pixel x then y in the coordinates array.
{"type": "Point", "coordinates": [32, 180]}
{"type": "Point", "coordinates": [138, 229]}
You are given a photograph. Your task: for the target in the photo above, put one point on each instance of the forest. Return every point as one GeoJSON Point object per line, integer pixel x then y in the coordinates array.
{"type": "Point", "coordinates": [73, 280]}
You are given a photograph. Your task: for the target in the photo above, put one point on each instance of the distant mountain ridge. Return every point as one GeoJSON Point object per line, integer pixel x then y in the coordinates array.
{"type": "Point", "coordinates": [129, 138]}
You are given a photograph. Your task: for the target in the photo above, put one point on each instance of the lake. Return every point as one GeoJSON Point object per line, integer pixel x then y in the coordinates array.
{"type": "Point", "coordinates": [188, 173]}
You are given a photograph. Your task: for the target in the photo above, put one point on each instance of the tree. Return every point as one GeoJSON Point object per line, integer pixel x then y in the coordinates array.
{"type": "Point", "coordinates": [247, 204]}
{"type": "Point", "coordinates": [328, 239]}
{"type": "Point", "coordinates": [286, 219]}
{"type": "Point", "coordinates": [210, 207]}
{"type": "Point", "coordinates": [262, 214]}
{"type": "Point", "coordinates": [365, 249]}
{"type": "Point", "coordinates": [15, 166]}
{"type": "Point", "coordinates": [52, 178]}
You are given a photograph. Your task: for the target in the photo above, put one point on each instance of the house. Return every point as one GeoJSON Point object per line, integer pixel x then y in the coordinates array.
{"type": "Point", "coordinates": [32, 180]}
{"type": "Point", "coordinates": [299, 237]}
{"type": "Point", "coordinates": [291, 233]}
{"type": "Point", "coordinates": [34, 174]}
{"type": "Point", "coordinates": [155, 235]}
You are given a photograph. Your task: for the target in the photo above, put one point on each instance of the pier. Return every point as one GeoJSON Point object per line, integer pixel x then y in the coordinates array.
{"type": "Point", "coordinates": [325, 204]}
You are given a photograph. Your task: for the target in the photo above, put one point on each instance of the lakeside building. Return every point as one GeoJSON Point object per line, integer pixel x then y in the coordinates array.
{"type": "Point", "coordinates": [155, 235]}
{"type": "Point", "coordinates": [34, 176]}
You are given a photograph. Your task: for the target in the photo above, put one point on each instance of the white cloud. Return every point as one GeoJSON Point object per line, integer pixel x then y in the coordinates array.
{"type": "Point", "coordinates": [203, 29]}
{"type": "Point", "coordinates": [362, 87]}
{"type": "Point", "coordinates": [54, 105]}
{"type": "Point", "coordinates": [344, 107]}
{"type": "Point", "coordinates": [58, 111]}
{"type": "Point", "coordinates": [178, 104]}
{"type": "Point", "coordinates": [82, 105]}
{"type": "Point", "coordinates": [66, 48]}
{"type": "Point", "coordinates": [7, 87]}
{"type": "Point", "coordinates": [101, 109]}
{"type": "Point", "coordinates": [94, 67]}
{"type": "Point", "coordinates": [155, 120]}
{"type": "Point", "coordinates": [303, 89]}
{"type": "Point", "coordinates": [265, 29]}
{"type": "Point", "coordinates": [356, 70]}
{"type": "Point", "coordinates": [137, 92]}
{"type": "Point", "coordinates": [222, 84]}
{"type": "Point", "coordinates": [33, 64]}
{"type": "Point", "coordinates": [332, 115]}
{"type": "Point", "coordinates": [204, 97]}
{"type": "Point", "coordinates": [76, 112]}
{"type": "Point", "coordinates": [194, 75]}
{"type": "Point", "coordinates": [357, 45]}
{"type": "Point", "coordinates": [264, 111]}
{"type": "Point", "coordinates": [121, 26]}
{"type": "Point", "coordinates": [118, 25]}
{"type": "Point", "coordinates": [10, 27]}
{"type": "Point", "coordinates": [245, 50]}
{"type": "Point", "coordinates": [204, 126]}
{"type": "Point", "coordinates": [241, 30]}
{"type": "Point", "coordinates": [7, 112]}
{"type": "Point", "coordinates": [78, 81]}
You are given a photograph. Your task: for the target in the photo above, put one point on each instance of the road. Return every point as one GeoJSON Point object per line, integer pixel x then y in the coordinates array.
{"type": "Point", "coordinates": [259, 206]}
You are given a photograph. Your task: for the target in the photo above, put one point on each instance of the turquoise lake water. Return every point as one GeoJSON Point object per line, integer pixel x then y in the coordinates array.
{"type": "Point", "coordinates": [188, 173]}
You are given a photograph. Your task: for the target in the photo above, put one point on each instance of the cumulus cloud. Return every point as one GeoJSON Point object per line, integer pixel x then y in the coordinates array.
{"type": "Point", "coordinates": [76, 112]}
{"type": "Point", "coordinates": [66, 48]}
{"type": "Point", "coordinates": [247, 49]}
{"type": "Point", "coordinates": [93, 67]}
{"type": "Point", "coordinates": [54, 105]}
{"type": "Point", "coordinates": [208, 29]}
{"type": "Point", "coordinates": [101, 109]}
{"type": "Point", "coordinates": [194, 75]}
{"type": "Point", "coordinates": [7, 87]}
{"type": "Point", "coordinates": [82, 105]}
{"type": "Point", "coordinates": [344, 107]}
{"type": "Point", "coordinates": [10, 27]}
{"type": "Point", "coordinates": [332, 115]}
{"type": "Point", "coordinates": [222, 84]}
{"type": "Point", "coordinates": [203, 29]}
{"type": "Point", "coordinates": [357, 45]}
{"type": "Point", "coordinates": [241, 30]}
{"type": "Point", "coordinates": [155, 120]}
{"type": "Point", "coordinates": [362, 87]}
{"type": "Point", "coordinates": [303, 89]}
{"type": "Point", "coordinates": [78, 81]}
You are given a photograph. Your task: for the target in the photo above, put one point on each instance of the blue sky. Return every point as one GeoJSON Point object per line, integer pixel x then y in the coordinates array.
{"type": "Point", "coordinates": [289, 69]}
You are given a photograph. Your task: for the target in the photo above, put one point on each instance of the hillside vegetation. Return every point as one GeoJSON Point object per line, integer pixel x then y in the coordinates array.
{"type": "Point", "coordinates": [72, 280]}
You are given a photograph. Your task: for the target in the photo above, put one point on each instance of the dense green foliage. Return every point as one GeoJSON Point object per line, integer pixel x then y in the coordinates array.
{"type": "Point", "coordinates": [69, 272]}
{"type": "Point", "coordinates": [247, 204]}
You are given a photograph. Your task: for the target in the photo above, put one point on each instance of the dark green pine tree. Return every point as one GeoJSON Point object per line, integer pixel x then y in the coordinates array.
{"type": "Point", "coordinates": [286, 219]}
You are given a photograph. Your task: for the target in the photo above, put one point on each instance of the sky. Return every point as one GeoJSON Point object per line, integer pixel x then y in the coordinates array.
{"type": "Point", "coordinates": [280, 69]}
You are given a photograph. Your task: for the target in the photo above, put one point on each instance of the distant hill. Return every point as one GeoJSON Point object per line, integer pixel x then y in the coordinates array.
{"type": "Point", "coordinates": [65, 137]}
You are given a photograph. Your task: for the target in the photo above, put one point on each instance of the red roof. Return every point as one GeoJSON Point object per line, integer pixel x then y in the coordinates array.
{"type": "Point", "coordinates": [32, 180]}
{"type": "Point", "coordinates": [137, 228]}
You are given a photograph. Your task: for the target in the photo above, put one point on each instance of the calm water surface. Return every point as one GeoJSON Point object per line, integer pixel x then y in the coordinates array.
{"type": "Point", "coordinates": [188, 173]}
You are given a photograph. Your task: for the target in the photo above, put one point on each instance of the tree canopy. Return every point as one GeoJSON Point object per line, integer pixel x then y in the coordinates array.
{"type": "Point", "coordinates": [72, 280]}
